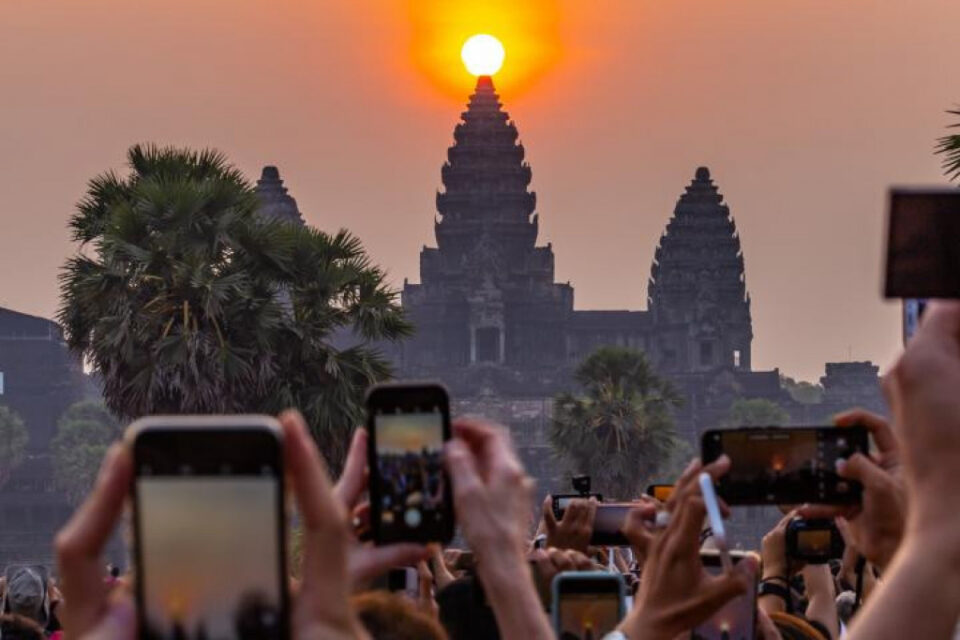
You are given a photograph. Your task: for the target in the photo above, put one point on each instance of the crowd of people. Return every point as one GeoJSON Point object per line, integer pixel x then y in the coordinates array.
{"type": "Point", "coordinates": [899, 576]}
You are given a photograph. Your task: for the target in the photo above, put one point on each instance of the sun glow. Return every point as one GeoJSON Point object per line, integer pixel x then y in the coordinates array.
{"type": "Point", "coordinates": [529, 30]}
{"type": "Point", "coordinates": [482, 54]}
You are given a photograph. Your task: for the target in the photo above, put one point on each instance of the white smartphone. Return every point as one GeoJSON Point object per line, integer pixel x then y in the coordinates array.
{"type": "Point", "coordinates": [716, 520]}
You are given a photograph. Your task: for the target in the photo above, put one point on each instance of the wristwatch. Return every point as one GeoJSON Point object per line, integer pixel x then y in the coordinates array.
{"type": "Point", "coordinates": [616, 635]}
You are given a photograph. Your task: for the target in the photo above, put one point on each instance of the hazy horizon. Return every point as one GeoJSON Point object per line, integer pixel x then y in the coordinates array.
{"type": "Point", "coordinates": [806, 111]}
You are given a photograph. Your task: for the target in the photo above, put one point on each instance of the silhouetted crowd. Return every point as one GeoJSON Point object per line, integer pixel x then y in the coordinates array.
{"type": "Point", "coordinates": [898, 576]}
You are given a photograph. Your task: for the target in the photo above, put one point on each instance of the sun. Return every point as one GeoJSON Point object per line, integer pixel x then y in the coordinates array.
{"type": "Point", "coordinates": [482, 54]}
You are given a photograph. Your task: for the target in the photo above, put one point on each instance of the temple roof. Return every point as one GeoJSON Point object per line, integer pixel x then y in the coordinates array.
{"type": "Point", "coordinates": [275, 202]}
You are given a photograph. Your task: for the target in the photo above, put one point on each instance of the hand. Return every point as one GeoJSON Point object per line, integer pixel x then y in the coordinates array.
{"type": "Point", "coordinates": [492, 496]}
{"type": "Point", "coordinates": [638, 530]}
{"type": "Point", "coordinates": [425, 601]}
{"type": "Point", "coordinates": [441, 574]}
{"type": "Point", "coordinates": [322, 607]}
{"type": "Point", "coordinates": [491, 491]}
{"type": "Point", "coordinates": [91, 615]}
{"type": "Point", "coordinates": [366, 561]}
{"type": "Point", "coordinates": [876, 525]}
{"type": "Point", "coordinates": [573, 531]}
{"type": "Point", "coordinates": [922, 393]}
{"type": "Point", "coordinates": [774, 549]}
{"type": "Point", "coordinates": [676, 592]}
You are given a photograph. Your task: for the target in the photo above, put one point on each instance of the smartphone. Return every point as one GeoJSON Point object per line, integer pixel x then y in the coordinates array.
{"type": "Point", "coordinates": [562, 500]}
{"type": "Point", "coordinates": [814, 541]}
{"type": "Point", "coordinates": [785, 465]}
{"type": "Point", "coordinates": [587, 605]}
{"type": "Point", "coordinates": [661, 492]}
{"type": "Point", "coordinates": [209, 527]}
{"type": "Point", "coordinates": [608, 524]}
{"type": "Point", "coordinates": [737, 620]}
{"type": "Point", "coordinates": [715, 517]}
{"type": "Point", "coordinates": [410, 496]}
{"type": "Point", "coordinates": [922, 240]}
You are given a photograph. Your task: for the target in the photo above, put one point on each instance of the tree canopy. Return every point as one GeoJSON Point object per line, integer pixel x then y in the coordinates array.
{"type": "Point", "coordinates": [84, 433]}
{"type": "Point", "coordinates": [620, 428]}
{"type": "Point", "coordinates": [13, 442]}
{"type": "Point", "coordinates": [948, 146]}
{"type": "Point", "coordinates": [185, 300]}
{"type": "Point", "coordinates": [756, 412]}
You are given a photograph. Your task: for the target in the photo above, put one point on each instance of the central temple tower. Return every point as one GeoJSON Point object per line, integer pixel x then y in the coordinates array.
{"type": "Point", "coordinates": [487, 296]}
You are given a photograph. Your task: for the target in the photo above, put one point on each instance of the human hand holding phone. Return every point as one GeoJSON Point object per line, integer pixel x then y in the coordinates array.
{"type": "Point", "coordinates": [322, 607]}
{"type": "Point", "coordinates": [368, 561]}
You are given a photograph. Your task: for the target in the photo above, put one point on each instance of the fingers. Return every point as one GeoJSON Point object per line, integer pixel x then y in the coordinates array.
{"type": "Point", "coordinates": [878, 427]}
{"type": "Point", "coordinates": [80, 542]}
{"type": "Point", "coordinates": [549, 519]}
{"type": "Point", "coordinates": [464, 474]}
{"type": "Point", "coordinates": [491, 445]}
{"type": "Point", "coordinates": [822, 511]}
{"type": "Point", "coordinates": [859, 467]}
{"type": "Point", "coordinates": [353, 481]}
{"type": "Point", "coordinates": [369, 562]}
{"type": "Point", "coordinates": [323, 516]}
{"type": "Point", "coordinates": [719, 590]}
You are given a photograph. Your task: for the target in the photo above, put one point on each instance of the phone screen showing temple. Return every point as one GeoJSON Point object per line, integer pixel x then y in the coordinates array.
{"type": "Point", "coordinates": [412, 483]}
{"type": "Point", "coordinates": [588, 616]}
{"type": "Point", "coordinates": [735, 621]}
{"type": "Point", "coordinates": [209, 550]}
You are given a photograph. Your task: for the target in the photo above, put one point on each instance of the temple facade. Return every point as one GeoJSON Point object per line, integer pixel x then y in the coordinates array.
{"type": "Point", "coordinates": [492, 322]}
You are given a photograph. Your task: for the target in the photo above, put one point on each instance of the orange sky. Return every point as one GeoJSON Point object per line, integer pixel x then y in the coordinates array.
{"type": "Point", "coordinates": [805, 110]}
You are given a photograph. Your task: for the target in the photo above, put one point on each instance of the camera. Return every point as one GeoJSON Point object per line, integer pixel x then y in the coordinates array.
{"type": "Point", "coordinates": [581, 484]}
{"type": "Point", "coordinates": [814, 541]}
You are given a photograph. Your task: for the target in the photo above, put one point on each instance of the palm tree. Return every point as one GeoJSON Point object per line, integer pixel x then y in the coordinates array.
{"type": "Point", "coordinates": [949, 147]}
{"type": "Point", "coordinates": [184, 300]}
{"type": "Point", "coordinates": [620, 429]}
{"type": "Point", "coordinates": [84, 432]}
{"type": "Point", "coordinates": [13, 442]}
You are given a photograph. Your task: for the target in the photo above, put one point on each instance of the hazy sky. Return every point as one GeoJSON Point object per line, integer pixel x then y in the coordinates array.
{"type": "Point", "coordinates": [805, 110]}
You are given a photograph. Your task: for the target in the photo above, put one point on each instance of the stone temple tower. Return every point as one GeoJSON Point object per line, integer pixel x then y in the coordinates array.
{"type": "Point", "coordinates": [275, 202]}
{"type": "Point", "coordinates": [697, 291]}
{"type": "Point", "coordinates": [487, 296]}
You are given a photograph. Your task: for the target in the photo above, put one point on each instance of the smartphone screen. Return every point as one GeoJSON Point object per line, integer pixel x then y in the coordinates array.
{"type": "Point", "coordinates": [209, 532]}
{"type": "Point", "coordinates": [923, 236]}
{"type": "Point", "coordinates": [588, 606]}
{"type": "Point", "coordinates": [661, 492]}
{"type": "Point", "coordinates": [785, 465]}
{"type": "Point", "coordinates": [409, 487]}
{"type": "Point", "coordinates": [737, 619]}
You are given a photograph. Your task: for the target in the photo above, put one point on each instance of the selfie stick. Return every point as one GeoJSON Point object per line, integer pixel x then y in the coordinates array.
{"type": "Point", "coordinates": [716, 520]}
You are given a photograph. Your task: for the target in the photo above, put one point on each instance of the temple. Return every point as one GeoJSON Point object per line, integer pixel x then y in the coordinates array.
{"type": "Point", "coordinates": [492, 322]}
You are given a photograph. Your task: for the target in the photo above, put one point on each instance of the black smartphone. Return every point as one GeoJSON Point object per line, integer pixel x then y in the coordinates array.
{"type": "Point", "coordinates": [923, 260]}
{"type": "Point", "coordinates": [587, 605]}
{"type": "Point", "coordinates": [814, 541]}
{"type": "Point", "coordinates": [737, 620]}
{"type": "Point", "coordinates": [562, 500]}
{"type": "Point", "coordinates": [209, 527]}
{"type": "Point", "coordinates": [608, 524]}
{"type": "Point", "coordinates": [410, 496]}
{"type": "Point", "coordinates": [785, 465]}
{"type": "Point", "coordinates": [661, 492]}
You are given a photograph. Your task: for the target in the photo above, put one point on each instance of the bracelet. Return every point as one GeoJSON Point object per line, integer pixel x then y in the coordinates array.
{"type": "Point", "coordinates": [771, 589]}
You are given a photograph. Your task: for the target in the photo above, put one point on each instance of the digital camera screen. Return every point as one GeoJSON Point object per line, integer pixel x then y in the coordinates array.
{"type": "Point", "coordinates": [785, 465]}
{"type": "Point", "coordinates": [815, 542]}
{"type": "Point", "coordinates": [412, 485]}
{"type": "Point", "coordinates": [588, 616]}
{"type": "Point", "coordinates": [208, 556]}
{"type": "Point", "coordinates": [735, 621]}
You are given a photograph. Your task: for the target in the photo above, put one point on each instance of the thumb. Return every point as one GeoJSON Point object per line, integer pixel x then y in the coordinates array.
{"type": "Point", "coordinates": [463, 471]}
{"type": "Point", "coordinates": [119, 623]}
{"type": "Point", "coordinates": [549, 518]}
{"type": "Point", "coordinates": [860, 468]}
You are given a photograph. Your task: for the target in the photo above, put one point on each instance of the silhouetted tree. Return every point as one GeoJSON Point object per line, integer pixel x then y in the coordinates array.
{"type": "Point", "coordinates": [185, 300]}
{"type": "Point", "coordinates": [756, 412]}
{"type": "Point", "coordinates": [13, 442]}
{"type": "Point", "coordinates": [620, 429]}
{"type": "Point", "coordinates": [949, 147]}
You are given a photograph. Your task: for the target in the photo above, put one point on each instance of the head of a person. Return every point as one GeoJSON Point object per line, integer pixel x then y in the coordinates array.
{"type": "Point", "coordinates": [392, 616]}
{"type": "Point", "coordinates": [27, 593]}
{"type": "Point", "coordinates": [845, 604]}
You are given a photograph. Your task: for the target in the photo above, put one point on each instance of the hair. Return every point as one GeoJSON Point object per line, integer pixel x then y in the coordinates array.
{"type": "Point", "coordinates": [391, 616]}
{"type": "Point", "coordinates": [17, 627]}
{"type": "Point", "coordinates": [845, 604]}
{"type": "Point", "coordinates": [795, 628]}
